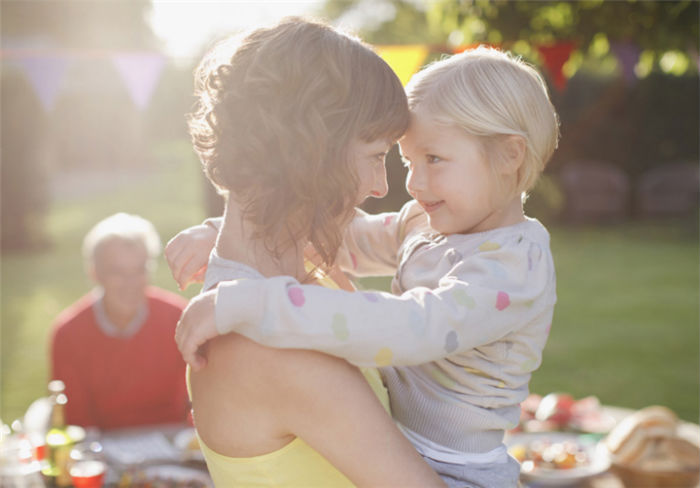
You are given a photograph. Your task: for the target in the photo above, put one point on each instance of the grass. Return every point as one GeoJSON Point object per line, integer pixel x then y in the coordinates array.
{"type": "Point", "coordinates": [625, 327]}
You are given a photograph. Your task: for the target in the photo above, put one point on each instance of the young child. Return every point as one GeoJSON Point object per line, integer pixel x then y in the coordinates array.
{"type": "Point", "coordinates": [474, 284]}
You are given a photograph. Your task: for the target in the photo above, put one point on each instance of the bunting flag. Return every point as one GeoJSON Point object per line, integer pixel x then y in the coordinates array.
{"type": "Point", "coordinates": [404, 60]}
{"type": "Point", "coordinates": [45, 74]}
{"type": "Point", "coordinates": [627, 54]}
{"type": "Point", "coordinates": [140, 71]}
{"type": "Point", "coordinates": [554, 56]}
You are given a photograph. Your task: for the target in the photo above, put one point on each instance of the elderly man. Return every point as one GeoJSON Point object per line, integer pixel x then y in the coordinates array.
{"type": "Point", "coordinates": [115, 349]}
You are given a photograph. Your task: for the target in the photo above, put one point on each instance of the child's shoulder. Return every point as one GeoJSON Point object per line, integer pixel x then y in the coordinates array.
{"type": "Point", "coordinates": [514, 238]}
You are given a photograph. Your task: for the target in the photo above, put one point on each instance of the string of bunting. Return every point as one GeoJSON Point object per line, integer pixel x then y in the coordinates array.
{"type": "Point", "coordinates": [140, 71]}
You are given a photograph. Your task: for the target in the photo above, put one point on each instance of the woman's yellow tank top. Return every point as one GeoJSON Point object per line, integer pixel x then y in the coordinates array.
{"type": "Point", "coordinates": [294, 465]}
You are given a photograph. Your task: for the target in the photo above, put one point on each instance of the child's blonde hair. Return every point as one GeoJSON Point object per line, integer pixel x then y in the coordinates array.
{"type": "Point", "coordinates": [491, 94]}
{"type": "Point", "coordinates": [274, 121]}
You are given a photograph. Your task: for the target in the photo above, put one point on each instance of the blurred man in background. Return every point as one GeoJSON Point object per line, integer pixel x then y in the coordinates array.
{"type": "Point", "coordinates": [114, 348]}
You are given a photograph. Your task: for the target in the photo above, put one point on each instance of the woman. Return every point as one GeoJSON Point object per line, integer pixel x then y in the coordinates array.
{"type": "Point", "coordinates": [294, 129]}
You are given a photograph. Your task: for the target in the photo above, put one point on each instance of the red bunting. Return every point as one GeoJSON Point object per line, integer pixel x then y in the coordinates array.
{"type": "Point", "coordinates": [555, 55]}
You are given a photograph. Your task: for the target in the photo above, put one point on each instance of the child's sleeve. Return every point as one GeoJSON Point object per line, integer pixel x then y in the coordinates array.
{"type": "Point", "coordinates": [371, 242]}
{"type": "Point", "coordinates": [482, 299]}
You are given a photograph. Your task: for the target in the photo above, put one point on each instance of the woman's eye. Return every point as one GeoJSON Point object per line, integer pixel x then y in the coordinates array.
{"type": "Point", "coordinates": [431, 158]}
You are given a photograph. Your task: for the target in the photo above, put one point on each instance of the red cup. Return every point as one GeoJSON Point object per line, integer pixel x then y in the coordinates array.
{"type": "Point", "coordinates": [88, 474]}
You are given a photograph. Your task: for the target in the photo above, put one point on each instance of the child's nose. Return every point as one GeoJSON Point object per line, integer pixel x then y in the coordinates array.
{"type": "Point", "coordinates": [415, 182]}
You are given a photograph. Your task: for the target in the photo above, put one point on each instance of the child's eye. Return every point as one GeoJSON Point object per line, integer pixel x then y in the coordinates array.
{"type": "Point", "coordinates": [431, 158]}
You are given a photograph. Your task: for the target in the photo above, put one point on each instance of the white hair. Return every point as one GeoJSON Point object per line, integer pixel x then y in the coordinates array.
{"type": "Point", "coordinates": [490, 93]}
{"type": "Point", "coordinates": [121, 227]}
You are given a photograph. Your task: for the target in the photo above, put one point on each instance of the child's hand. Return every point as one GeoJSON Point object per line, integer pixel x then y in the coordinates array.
{"type": "Point", "coordinates": [188, 254]}
{"type": "Point", "coordinates": [196, 326]}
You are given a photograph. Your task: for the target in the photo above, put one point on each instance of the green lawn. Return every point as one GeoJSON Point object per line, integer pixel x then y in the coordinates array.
{"type": "Point", "coordinates": [625, 327]}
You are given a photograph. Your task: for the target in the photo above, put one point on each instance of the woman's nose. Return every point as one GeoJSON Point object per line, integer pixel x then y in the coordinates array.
{"type": "Point", "coordinates": [380, 187]}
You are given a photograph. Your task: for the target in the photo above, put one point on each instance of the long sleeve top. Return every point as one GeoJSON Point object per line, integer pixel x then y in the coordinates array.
{"type": "Point", "coordinates": [457, 339]}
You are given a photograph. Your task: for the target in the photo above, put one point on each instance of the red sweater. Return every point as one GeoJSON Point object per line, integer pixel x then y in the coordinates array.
{"type": "Point", "coordinates": [119, 382]}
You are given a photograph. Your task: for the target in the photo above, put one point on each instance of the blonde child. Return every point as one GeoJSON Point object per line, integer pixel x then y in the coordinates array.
{"type": "Point", "coordinates": [474, 283]}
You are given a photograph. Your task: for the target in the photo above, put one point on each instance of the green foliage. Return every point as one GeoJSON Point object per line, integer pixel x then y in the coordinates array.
{"type": "Point", "coordinates": [655, 26]}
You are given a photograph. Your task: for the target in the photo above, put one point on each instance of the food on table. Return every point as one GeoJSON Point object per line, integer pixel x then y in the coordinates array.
{"type": "Point", "coordinates": [561, 411]}
{"type": "Point", "coordinates": [647, 446]}
{"type": "Point", "coordinates": [549, 454]}
{"type": "Point", "coordinates": [556, 408]}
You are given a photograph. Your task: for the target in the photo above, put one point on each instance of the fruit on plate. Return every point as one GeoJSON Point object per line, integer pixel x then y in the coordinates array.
{"type": "Point", "coordinates": [555, 408]}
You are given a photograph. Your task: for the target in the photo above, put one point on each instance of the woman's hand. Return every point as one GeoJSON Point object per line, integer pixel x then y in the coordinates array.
{"type": "Point", "coordinates": [188, 254]}
{"type": "Point", "coordinates": [196, 326]}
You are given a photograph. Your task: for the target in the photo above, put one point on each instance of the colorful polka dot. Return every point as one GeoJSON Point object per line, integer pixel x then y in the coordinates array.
{"type": "Point", "coordinates": [372, 297]}
{"type": "Point", "coordinates": [451, 342]}
{"type": "Point", "coordinates": [340, 327]}
{"type": "Point", "coordinates": [501, 385]}
{"type": "Point", "coordinates": [548, 329]}
{"type": "Point", "coordinates": [462, 298]}
{"type": "Point", "coordinates": [502, 300]}
{"type": "Point", "coordinates": [444, 380]}
{"type": "Point", "coordinates": [476, 372]}
{"type": "Point", "coordinates": [353, 258]}
{"type": "Point", "coordinates": [388, 219]}
{"type": "Point", "coordinates": [528, 365]}
{"type": "Point", "coordinates": [296, 296]}
{"type": "Point", "coordinates": [384, 357]}
{"type": "Point", "coordinates": [489, 246]}
{"type": "Point", "coordinates": [453, 257]}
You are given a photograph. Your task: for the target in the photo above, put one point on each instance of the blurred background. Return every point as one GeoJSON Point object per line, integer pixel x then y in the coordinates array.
{"type": "Point", "coordinates": [94, 95]}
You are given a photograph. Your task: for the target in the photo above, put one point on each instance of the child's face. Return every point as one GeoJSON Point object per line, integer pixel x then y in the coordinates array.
{"type": "Point", "coordinates": [369, 159]}
{"type": "Point", "coordinates": [450, 177]}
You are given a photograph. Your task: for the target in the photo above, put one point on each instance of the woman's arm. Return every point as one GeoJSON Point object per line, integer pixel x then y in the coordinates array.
{"type": "Point", "coordinates": [243, 411]}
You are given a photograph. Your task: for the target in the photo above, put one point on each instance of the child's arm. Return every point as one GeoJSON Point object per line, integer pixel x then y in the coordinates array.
{"type": "Point", "coordinates": [481, 300]}
{"type": "Point", "coordinates": [188, 252]}
{"type": "Point", "coordinates": [371, 242]}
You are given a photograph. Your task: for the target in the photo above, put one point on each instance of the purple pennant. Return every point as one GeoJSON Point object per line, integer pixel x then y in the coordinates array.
{"type": "Point", "coordinates": [45, 74]}
{"type": "Point", "coordinates": [141, 72]}
{"type": "Point", "coordinates": [627, 54]}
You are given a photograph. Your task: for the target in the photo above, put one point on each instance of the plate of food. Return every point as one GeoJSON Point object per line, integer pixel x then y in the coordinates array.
{"type": "Point", "coordinates": [558, 458]}
{"type": "Point", "coordinates": [188, 443]}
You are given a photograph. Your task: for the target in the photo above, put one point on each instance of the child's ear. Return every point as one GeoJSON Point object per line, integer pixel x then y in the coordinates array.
{"type": "Point", "coordinates": [514, 149]}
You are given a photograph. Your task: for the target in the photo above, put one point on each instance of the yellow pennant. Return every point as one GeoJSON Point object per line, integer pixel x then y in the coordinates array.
{"type": "Point", "coordinates": [404, 60]}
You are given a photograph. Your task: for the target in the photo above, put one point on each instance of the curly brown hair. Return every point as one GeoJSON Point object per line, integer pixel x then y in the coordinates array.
{"type": "Point", "coordinates": [274, 120]}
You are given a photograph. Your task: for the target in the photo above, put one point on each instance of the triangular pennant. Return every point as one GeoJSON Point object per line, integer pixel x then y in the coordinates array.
{"type": "Point", "coordinates": [627, 54]}
{"type": "Point", "coordinates": [404, 60]}
{"type": "Point", "coordinates": [555, 55]}
{"type": "Point", "coordinates": [140, 72]}
{"type": "Point", "coordinates": [45, 74]}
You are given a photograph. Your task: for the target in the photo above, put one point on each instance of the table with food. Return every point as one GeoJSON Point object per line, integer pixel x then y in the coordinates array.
{"type": "Point", "coordinates": [560, 441]}
{"type": "Point", "coordinates": [40, 451]}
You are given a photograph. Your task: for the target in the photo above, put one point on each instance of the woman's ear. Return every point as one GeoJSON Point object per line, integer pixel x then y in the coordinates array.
{"type": "Point", "coordinates": [513, 155]}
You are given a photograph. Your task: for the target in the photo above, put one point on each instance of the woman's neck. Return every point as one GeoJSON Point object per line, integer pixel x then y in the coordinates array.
{"type": "Point", "coordinates": [236, 242]}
